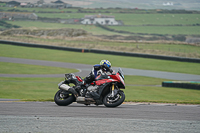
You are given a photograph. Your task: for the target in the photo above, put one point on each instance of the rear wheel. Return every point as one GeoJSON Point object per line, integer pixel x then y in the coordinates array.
{"type": "Point", "coordinates": [114, 101]}
{"type": "Point", "coordinates": [64, 98]}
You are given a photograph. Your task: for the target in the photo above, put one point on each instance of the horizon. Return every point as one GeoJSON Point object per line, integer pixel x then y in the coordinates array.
{"type": "Point", "coordinates": [139, 4]}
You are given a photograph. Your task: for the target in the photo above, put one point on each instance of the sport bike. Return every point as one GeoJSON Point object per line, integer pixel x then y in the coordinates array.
{"type": "Point", "coordinates": [106, 89]}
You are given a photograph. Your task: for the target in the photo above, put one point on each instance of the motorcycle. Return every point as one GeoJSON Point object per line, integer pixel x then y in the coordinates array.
{"type": "Point", "coordinates": [106, 89]}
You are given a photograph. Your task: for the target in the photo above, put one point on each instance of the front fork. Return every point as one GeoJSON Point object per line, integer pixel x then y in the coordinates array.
{"type": "Point", "coordinates": [113, 88]}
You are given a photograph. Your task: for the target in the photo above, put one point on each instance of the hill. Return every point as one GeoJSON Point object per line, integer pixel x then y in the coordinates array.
{"type": "Point", "coordinates": [141, 4]}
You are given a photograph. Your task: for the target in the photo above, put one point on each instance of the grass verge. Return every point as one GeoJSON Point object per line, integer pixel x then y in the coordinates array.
{"type": "Point", "coordinates": [162, 95]}
{"type": "Point", "coordinates": [14, 68]}
{"type": "Point", "coordinates": [35, 89]}
{"type": "Point", "coordinates": [91, 58]}
{"type": "Point", "coordinates": [157, 48]}
{"type": "Point", "coordinates": [44, 89]}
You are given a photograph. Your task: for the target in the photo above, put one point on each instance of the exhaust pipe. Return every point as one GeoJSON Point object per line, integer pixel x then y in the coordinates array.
{"type": "Point", "coordinates": [68, 88]}
{"type": "Point", "coordinates": [64, 87]}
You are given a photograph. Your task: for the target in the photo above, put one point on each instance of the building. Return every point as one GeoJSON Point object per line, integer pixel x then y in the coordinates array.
{"type": "Point", "coordinates": [40, 2]}
{"type": "Point", "coordinates": [12, 3]}
{"type": "Point", "coordinates": [61, 4]}
{"type": "Point", "coordinates": [101, 19]}
{"type": "Point", "coordinates": [56, 4]}
{"type": "Point", "coordinates": [23, 4]}
{"type": "Point", "coordinates": [168, 4]}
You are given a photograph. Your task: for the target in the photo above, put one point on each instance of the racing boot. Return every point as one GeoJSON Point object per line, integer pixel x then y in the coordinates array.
{"type": "Point", "coordinates": [89, 79]}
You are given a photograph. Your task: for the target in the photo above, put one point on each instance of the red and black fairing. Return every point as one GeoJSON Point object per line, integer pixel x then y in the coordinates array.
{"type": "Point", "coordinates": [105, 83]}
{"type": "Point", "coordinates": [102, 79]}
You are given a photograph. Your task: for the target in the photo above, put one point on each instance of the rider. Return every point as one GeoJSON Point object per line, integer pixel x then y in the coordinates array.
{"type": "Point", "coordinates": [103, 67]}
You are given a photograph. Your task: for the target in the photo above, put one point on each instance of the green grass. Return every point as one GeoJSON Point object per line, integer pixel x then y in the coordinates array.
{"type": "Point", "coordinates": [186, 30]}
{"type": "Point", "coordinates": [138, 89]}
{"type": "Point", "coordinates": [128, 19]}
{"type": "Point", "coordinates": [136, 19]}
{"type": "Point", "coordinates": [44, 89]}
{"type": "Point", "coordinates": [14, 68]}
{"type": "Point", "coordinates": [158, 19]}
{"type": "Point", "coordinates": [181, 50]}
{"type": "Point", "coordinates": [39, 9]}
{"type": "Point", "coordinates": [162, 95]}
{"type": "Point", "coordinates": [91, 58]}
{"type": "Point", "coordinates": [41, 25]}
{"type": "Point", "coordinates": [62, 15]}
{"type": "Point", "coordinates": [141, 80]}
{"type": "Point", "coordinates": [29, 88]}
{"type": "Point", "coordinates": [38, 24]}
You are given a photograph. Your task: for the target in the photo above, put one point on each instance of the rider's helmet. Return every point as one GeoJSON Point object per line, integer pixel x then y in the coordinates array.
{"type": "Point", "coordinates": [106, 62]}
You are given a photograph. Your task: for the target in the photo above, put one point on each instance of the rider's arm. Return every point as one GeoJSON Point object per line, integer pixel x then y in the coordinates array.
{"type": "Point", "coordinates": [96, 70]}
{"type": "Point", "coordinates": [97, 67]}
{"type": "Point", "coordinates": [104, 66]}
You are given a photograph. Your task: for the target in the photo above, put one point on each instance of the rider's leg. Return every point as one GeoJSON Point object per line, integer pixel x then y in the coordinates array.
{"type": "Point", "coordinates": [89, 79]}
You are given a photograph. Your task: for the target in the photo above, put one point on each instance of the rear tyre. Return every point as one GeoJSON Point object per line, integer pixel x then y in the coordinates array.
{"type": "Point", "coordinates": [64, 98]}
{"type": "Point", "coordinates": [115, 101]}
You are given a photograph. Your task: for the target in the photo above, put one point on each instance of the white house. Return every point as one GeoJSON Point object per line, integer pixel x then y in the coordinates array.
{"type": "Point", "coordinates": [168, 4]}
{"type": "Point", "coordinates": [101, 19]}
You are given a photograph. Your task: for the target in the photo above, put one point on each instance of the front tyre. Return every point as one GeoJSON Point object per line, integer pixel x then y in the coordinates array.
{"type": "Point", "coordinates": [64, 98]}
{"type": "Point", "coordinates": [115, 101]}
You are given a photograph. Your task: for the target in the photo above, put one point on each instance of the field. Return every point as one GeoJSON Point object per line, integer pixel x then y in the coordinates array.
{"type": "Point", "coordinates": [158, 48]}
{"type": "Point", "coordinates": [12, 68]}
{"type": "Point", "coordinates": [40, 25]}
{"type": "Point", "coordinates": [44, 89]}
{"type": "Point", "coordinates": [139, 89]}
{"type": "Point", "coordinates": [130, 4]}
{"type": "Point", "coordinates": [175, 30]}
{"type": "Point", "coordinates": [135, 19]}
{"type": "Point", "coordinates": [117, 61]}
{"type": "Point", "coordinates": [165, 25]}
{"type": "Point", "coordinates": [158, 19]}
{"type": "Point", "coordinates": [159, 23]}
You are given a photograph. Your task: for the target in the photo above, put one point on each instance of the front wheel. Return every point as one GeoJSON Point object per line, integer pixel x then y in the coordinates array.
{"type": "Point", "coordinates": [64, 98]}
{"type": "Point", "coordinates": [110, 101]}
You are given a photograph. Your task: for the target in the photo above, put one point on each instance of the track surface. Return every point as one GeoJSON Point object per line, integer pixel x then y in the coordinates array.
{"type": "Point", "coordinates": [85, 69]}
{"type": "Point", "coordinates": [48, 117]}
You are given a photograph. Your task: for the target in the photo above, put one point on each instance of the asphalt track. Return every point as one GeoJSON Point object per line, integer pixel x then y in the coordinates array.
{"type": "Point", "coordinates": [47, 117]}
{"type": "Point", "coordinates": [85, 69]}
{"type": "Point", "coordinates": [35, 117]}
